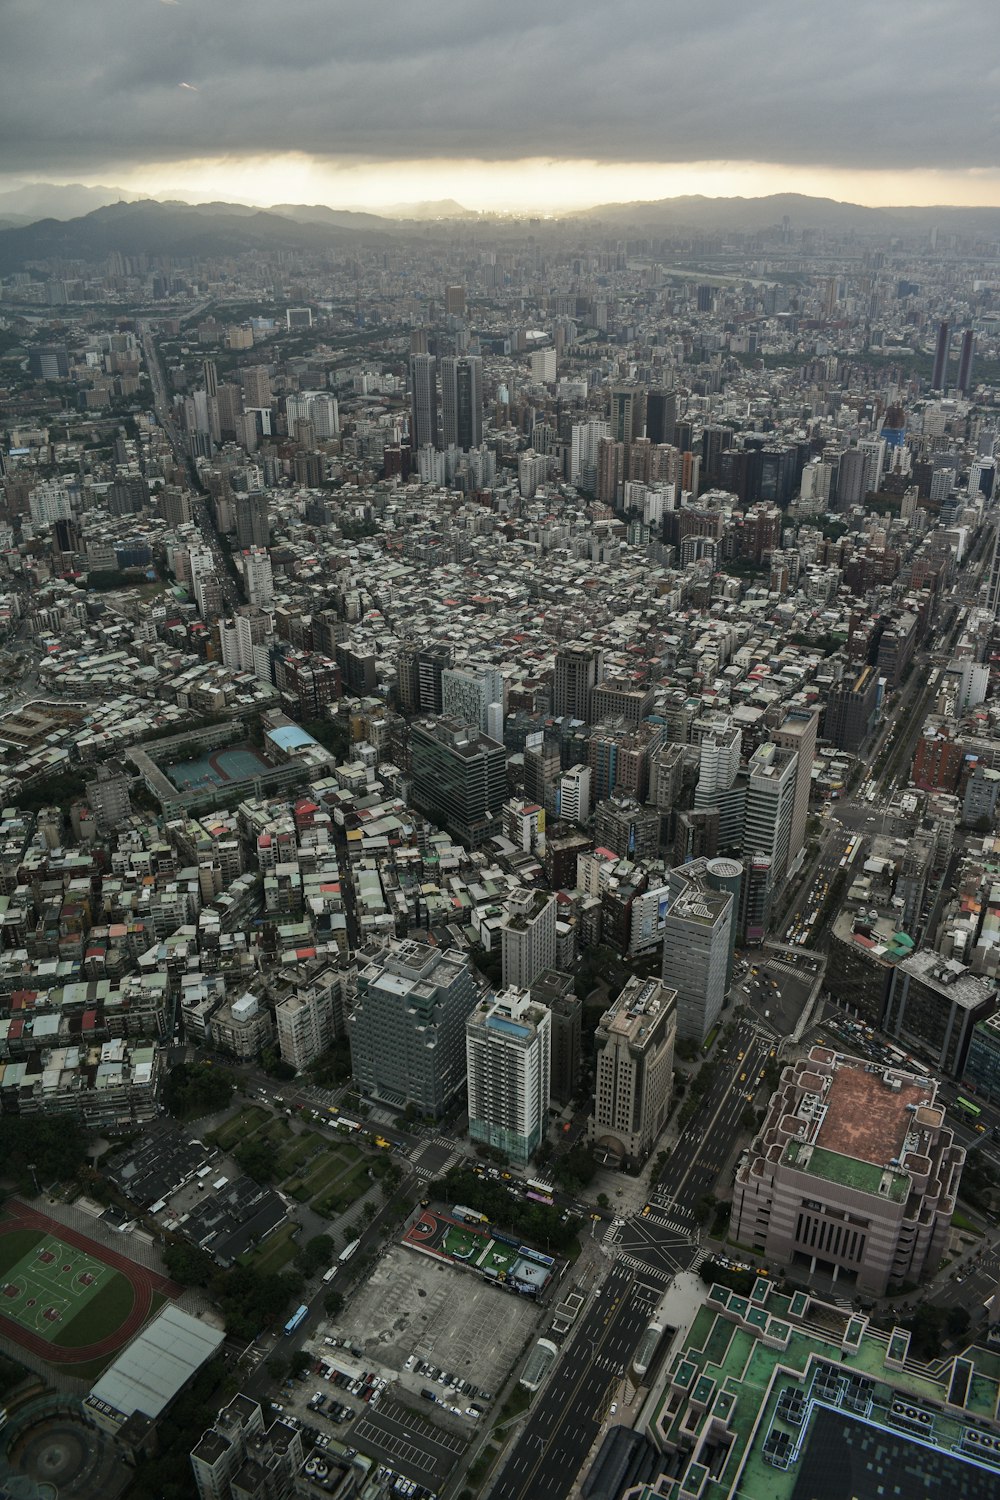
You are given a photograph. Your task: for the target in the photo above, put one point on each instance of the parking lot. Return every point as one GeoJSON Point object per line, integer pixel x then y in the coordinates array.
{"type": "Point", "coordinates": [409, 1443]}
{"type": "Point", "coordinates": [414, 1305]}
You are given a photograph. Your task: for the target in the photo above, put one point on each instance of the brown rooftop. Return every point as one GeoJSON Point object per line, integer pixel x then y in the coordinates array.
{"type": "Point", "coordinates": [865, 1118]}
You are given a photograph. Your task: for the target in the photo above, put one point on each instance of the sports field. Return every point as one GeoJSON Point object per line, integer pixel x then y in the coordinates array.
{"type": "Point", "coordinates": [59, 1293]}
{"type": "Point", "coordinates": [66, 1298]}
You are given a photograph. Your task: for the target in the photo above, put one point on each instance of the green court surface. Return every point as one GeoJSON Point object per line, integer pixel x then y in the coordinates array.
{"type": "Point", "coordinates": [462, 1244]}
{"type": "Point", "coordinates": [496, 1256]}
{"type": "Point", "coordinates": [59, 1293]}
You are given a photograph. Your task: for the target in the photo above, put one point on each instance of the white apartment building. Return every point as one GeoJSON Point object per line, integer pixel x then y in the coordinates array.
{"type": "Point", "coordinates": [508, 1044]}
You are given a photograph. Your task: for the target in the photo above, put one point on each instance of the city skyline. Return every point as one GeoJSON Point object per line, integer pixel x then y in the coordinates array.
{"type": "Point", "coordinates": [506, 112]}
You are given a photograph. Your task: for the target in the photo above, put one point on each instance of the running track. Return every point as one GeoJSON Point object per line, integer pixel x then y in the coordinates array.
{"type": "Point", "coordinates": [143, 1282]}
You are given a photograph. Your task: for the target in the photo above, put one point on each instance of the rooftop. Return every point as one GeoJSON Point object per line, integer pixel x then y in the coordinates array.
{"type": "Point", "coordinates": [865, 1118]}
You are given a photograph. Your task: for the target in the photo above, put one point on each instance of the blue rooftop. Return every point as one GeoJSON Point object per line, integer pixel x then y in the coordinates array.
{"type": "Point", "coordinates": [290, 737]}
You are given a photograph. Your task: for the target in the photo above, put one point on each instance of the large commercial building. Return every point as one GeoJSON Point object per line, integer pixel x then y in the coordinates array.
{"type": "Point", "coordinates": [635, 1058]}
{"type": "Point", "coordinates": [578, 670]}
{"type": "Point", "coordinates": [770, 804]}
{"type": "Point", "coordinates": [798, 733]}
{"type": "Point", "coordinates": [851, 707]}
{"type": "Point", "coordinates": [407, 1028]}
{"type": "Point", "coordinates": [467, 693]}
{"type": "Point", "coordinates": [423, 408]}
{"type": "Point", "coordinates": [697, 947]}
{"type": "Point", "coordinates": [307, 1023]}
{"type": "Point", "coordinates": [528, 937]}
{"type": "Point", "coordinates": [853, 1173]}
{"type": "Point", "coordinates": [462, 402]}
{"type": "Point", "coordinates": [554, 990]}
{"type": "Point", "coordinates": [459, 779]}
{"type": "Point", "coordinates": [934, 1005]}
{"type": "Point", "coordinates": [508, 1040]}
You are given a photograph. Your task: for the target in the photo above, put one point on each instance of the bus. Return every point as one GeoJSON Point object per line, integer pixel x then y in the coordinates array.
{"type": "Point", "coordinates": [540, 1197]}
{"type": "Point", "coordinates": [537, 1186]}
{"type": "Point", "coordinates": [329, 1275]}
{"type": "Point", "coordinates": [298, 1316]}
{"type": "Point", "coordinates": [348, 1251]}
{"type": "Point", "coordinates": [966, 1107]}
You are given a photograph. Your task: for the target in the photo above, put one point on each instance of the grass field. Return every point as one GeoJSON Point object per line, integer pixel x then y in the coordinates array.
{"type": "Point", "coordinates": [496, 1256]}
{"type": "Point", "coordinates": [59, 1293]}
{"type": "Point", "coordinates": [275, 1253]}
{"type": "Point", "coordinates": [245, 1124]}
{"type": "Point", "coordinates": [457, 1242]}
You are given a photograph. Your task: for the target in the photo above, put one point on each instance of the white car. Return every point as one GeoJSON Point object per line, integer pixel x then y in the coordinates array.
{"type": "Point", "coordinates": [613, 1408]}
{"type": "Point", "coordinates": [410, 1362]}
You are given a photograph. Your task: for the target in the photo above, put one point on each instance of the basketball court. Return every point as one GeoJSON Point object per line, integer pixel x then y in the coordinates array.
{"type": "Point", "coordinates": [49, 1284]}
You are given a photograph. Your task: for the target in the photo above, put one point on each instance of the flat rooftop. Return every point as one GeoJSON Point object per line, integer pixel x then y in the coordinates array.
{"type": "Point", "coordinates": [867, 1119]}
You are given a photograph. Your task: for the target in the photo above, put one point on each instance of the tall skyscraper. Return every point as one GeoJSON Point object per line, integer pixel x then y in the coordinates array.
{"type": "Point", "coordinates": [528, 938]}
{"type": "Point", "coordinates": [939, 374]}
{"type": "Point", "coordinates": [253, 528]}
{"type": "Point", "coordinates": [256, 386]}
{"type": "Point", "coordinates": [462, 402]}
{"type": "Point", "coordinates": [459, 778]}
{"type": "Point", "coordinates": [798, 733]}
{"type": "Point", "coordinates": [697, 931]}
{"type": "Point", "coordinates": [423, 397]}
{"type": "Point", "coordinates": [628, 412]}
{"type": "Point", "coordinates": [718, 768]}
{"type": "Point", "coordinates": [407, 1028]}
{"type": "Point", "coordinates": [965, 362]}
{"type": "Point", "coordinates": [578, 670]}
{"type": "Point", "coordinates": [508, 1045]}
{"type": "Point", "coordinates": [661, 416]}
{"type": "Point", "coordinates": [771, 784]}
{"type": "Point", "coordinates": [634, 1076]}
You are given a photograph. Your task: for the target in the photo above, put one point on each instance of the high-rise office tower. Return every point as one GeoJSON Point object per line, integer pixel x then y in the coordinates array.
{"type": "Point", "coordinates": [661, 416]}
{"type": "Point", "coordinates": [420, 676]}
{"type": "Point", "coordinates": [578, 670]}
{"type": "Point", "coordinates": [852, 474]}
{"type": "Point", "coordinates": [508, 1046]}
{"type": "Point", "coordinates": [697, 933]}
{"type": "Point", "coordinates": [965, 362]}
{"type": "Point", "coordinates": [628, 412]}
{"type": "Point", "coordinates": [771, 784]}
{"type": "Point", "coordinates": [939, 374]}
{"type": "Point", "coordinates": [459, 779]}
{"type": "Point", "coordinates": [256, 386]}
{"type": "Point", "coordinates": [423, 398]}
{"type": "Point", "coordinates": [634, 1075]}
{"type": "Point", "coordinates": [993, 580]}
{"type": "Point", "coordinates": [253, 528]}
{"type": "Point", "coordinates": [462, 402]}
{"type": "Point", "coordinates": [528, 938]}
{"type": "Point", "coordinates": [211, 378]}
{"type": "Point", "coordinates": [798, 733]}
{"type": "Point", "coordinates": [407, 1027]}
{"type": "Point", "coordinates": [852, 704]}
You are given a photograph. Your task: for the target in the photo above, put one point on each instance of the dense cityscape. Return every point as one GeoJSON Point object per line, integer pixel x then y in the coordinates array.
{"type": "Point", "coordinates": [499, 855]}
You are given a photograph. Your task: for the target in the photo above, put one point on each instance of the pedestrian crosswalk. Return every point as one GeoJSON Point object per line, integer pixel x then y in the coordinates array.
{"type": "Point", "coordinates": [685, 1230]}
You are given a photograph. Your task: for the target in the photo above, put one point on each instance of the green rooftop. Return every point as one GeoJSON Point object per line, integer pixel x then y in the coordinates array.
{"type": "Point", "coordinates": [748, 1377]}
{"type": "Point", "coordinates": [847, 1171]}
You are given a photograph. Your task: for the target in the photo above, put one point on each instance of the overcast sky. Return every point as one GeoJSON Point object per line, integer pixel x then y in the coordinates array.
{"type": "Point", "coordinates": [206, 92]}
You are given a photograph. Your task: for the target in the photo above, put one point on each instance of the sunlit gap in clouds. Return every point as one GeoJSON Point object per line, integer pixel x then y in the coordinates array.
{"type": "Point", "coordinates": [538, 185]}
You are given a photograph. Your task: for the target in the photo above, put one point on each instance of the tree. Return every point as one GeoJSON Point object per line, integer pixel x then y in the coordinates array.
{"type": "Point", "coordinates": [197, 1089]}
{"type": "Point", "coordinates": [278, 1367]}
{"type": "Point", "coordinates": [257, 1158]}
{"type": "Point", "coordinates": [315, 1254]}
{"type": "Point", "coordinates": [957, 1321]}
{"type": "Point", "coordinates": [39, 1151]}
{"type": "Point", "coordinates": [333, 1304]}
{"type": "Point", "coordinates": [301, 1364]}
{"type": "Point", "coordinates": [188, 1265]}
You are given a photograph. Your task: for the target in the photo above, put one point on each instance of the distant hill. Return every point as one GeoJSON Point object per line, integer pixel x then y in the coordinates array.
{"type": "Point", "coordinates": [177, 229]}
{"type": "Point", "coordinates": [54, 200]}
{"type": "Point", "coordinates": [437, 208]}
{"type": "Point", "coordinates": [747, 215]}
{"type": "Point", "coordinates": [318, 213]}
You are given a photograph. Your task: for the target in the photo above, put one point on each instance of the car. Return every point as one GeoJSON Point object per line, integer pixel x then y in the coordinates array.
{"type": "Point", "coordinates": [409, 1362]}
{"type": "Point", "coordinates": [613, 1408]}
{"type": "Point", "coordinates": [473, 1411]}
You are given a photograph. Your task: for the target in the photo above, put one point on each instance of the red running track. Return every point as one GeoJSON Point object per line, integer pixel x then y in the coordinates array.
{"type": "Point", "coordinates": [144, 1284]}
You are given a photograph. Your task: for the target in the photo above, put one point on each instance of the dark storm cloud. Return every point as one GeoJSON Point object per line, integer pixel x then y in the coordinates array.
{"type": "Point", "coordinates": [844, 83]}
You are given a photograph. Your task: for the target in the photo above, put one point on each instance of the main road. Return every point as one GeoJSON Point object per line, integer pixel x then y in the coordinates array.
{"type": "Point", "coordinates": [571, 1411]}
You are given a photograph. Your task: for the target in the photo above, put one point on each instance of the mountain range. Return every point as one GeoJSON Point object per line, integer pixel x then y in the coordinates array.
{"type": "Point", "coordinates": [179, 229]}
